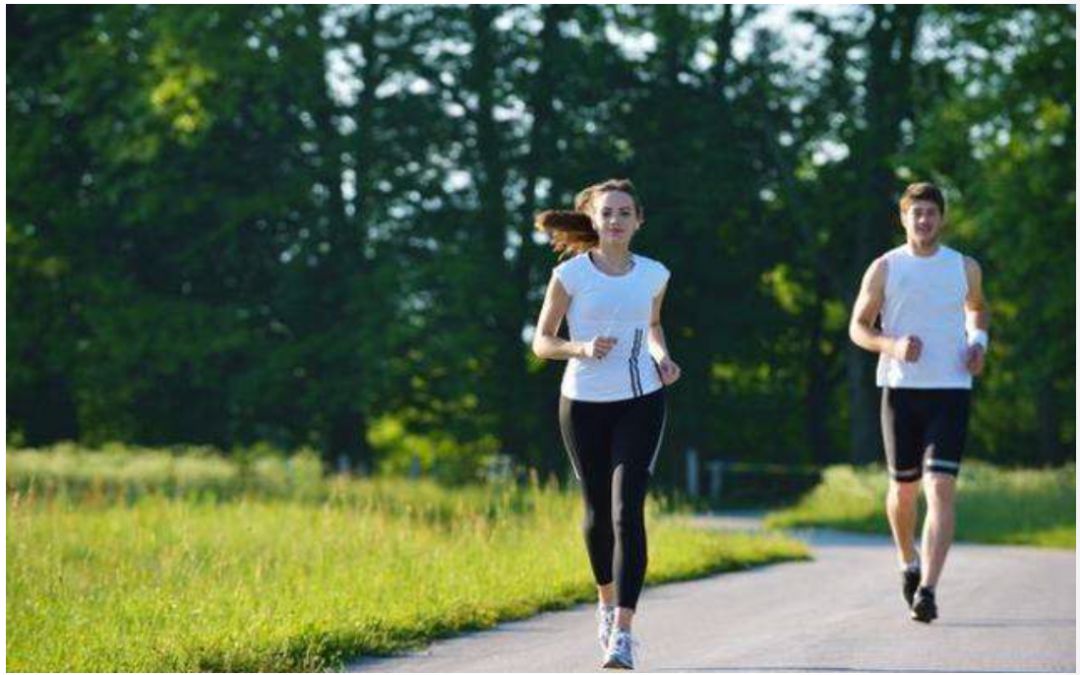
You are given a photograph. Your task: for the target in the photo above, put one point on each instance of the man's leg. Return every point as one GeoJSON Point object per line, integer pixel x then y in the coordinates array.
{"type": "Point", "coordinates": [902, 433]}
{"type": "Point", "coordinates": [902, 436]}
{"type": "Point", "coordinates": [901, 505]}
{"type": "Point", "coordinates": [938, 530]}
{"type": "Point", "coordinates": [939, 526]}
{"type": "Point", "coordinates": [946, 436]}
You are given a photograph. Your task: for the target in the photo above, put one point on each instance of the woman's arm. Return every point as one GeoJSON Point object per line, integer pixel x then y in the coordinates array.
{"type": "Point", "coordinates": [546, 341]}
{"type": "Point", "coordinates": [669, 370]}
{"type": "Point", "coordinates": [657, 343]}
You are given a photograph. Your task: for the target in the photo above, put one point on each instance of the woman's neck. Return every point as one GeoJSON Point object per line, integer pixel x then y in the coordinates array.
{"type": "Point", "coordinates": [612, 252]}
{"type": "Point", "coordinates": [615, 258]}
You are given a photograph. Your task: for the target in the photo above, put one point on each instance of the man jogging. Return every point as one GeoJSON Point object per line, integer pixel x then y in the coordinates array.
{"type": "Point", "coordinates": [932, 341]}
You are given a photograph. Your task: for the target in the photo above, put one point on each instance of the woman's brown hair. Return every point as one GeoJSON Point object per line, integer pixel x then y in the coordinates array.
{"type": "Point", "coordinates": [572, 231]}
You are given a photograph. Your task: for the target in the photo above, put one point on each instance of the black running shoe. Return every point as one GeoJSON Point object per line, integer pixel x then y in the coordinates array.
{"type": "Point", "coordinates": [911, 578]}
{"type": "Point", "coordinates": [924, 608]}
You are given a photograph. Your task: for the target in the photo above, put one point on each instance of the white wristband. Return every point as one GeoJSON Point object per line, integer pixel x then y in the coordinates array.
{"type": "Point", "coordinates": [978, 337]}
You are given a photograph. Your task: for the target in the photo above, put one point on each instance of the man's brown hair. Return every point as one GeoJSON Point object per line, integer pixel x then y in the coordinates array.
{"type": "Point", "coordinates": [922, 192]}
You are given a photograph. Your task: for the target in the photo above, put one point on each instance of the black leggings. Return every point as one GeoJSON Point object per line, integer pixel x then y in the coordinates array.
{"type": "Point", "coordinates": [613, 447]}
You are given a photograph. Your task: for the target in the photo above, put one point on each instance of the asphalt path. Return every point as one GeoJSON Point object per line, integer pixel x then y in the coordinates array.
{"type": "Point", "coordinates": [1002, 608]}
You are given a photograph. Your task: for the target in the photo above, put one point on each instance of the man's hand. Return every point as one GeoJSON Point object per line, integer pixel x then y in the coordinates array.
{"type": "Point", "coordinates": [907, 348]}
{"type": "Point", "coordinates": [975, 359]}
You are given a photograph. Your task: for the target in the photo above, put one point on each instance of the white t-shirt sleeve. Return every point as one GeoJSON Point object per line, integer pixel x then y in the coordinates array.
{"type": "Point", "coordinates": [661, 278]}
{"type": "Point", "coordinates": [567, 274]}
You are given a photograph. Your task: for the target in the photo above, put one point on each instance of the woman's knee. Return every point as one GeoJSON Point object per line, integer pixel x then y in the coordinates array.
{"type": "Point", "coordinates": [629, 515]}
{"type": "Point", "coordinates": [596, 522]}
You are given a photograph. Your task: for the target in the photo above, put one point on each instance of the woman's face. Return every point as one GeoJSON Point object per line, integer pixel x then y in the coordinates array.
{"type": "Point", "coordinates": [615, 217]}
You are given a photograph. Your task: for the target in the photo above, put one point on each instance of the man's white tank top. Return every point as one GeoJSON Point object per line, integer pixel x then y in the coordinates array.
{"type": "Point", "coordinates": [924, 296]}
{"type": "Point", "coordinates": [611, 306]}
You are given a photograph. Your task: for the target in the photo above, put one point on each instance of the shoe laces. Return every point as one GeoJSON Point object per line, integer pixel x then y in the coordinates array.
{"type": "Point", "coordinates": [636, 645]}
{"type": "Point", "coordinates": [605, 617]}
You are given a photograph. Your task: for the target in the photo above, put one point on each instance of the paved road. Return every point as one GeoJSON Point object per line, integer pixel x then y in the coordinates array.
{"type": "Point", "coordinates": [1003, 608]}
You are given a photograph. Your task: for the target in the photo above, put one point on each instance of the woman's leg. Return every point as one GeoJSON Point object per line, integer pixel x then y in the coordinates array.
{"type": "Point", "coordinates": [637, 437]}
{"type": "Point", "coordinates": [586, 432]}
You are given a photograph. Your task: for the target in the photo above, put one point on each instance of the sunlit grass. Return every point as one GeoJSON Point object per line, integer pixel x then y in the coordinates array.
{"type": "Point", "coordinates": [104, 582]}
{"type": "Point", "coordinates": [993, 505]}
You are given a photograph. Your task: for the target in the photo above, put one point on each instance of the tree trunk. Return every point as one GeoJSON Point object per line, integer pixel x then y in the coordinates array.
{"type": "Point", "coordinates": [526, 273]}
{"type": "Point", "coordinates": [498, 303]}
{"type": "Point", "coordinates": [816, 402]}
{"type": "Point", "coordinates": [888, 85]}
{"type": "Point", "coordinates": [346, 442]}
{"type": "Point", "coordinates": [1050, 449]}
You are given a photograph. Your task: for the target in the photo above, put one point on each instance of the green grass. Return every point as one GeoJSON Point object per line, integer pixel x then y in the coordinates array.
{"type": "Point", "coordinates": [69, 472]}
{"type": "Point", "coordinates": [993, 505]}
{"type": "Point", "coordinates": [99, 580]}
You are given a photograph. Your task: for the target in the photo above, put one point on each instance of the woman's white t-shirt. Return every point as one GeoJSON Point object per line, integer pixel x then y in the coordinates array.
{"type": "Point", "coordinates": [611, 306]}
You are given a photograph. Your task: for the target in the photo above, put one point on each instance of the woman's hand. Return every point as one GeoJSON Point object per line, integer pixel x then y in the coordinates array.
{"type": "Point", "coordinates": [598, 347]}
{"type": "Point", "coordinates": [669, 371]}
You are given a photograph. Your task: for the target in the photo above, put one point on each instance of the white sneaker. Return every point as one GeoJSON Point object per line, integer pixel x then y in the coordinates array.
{"type": "Point", "coordinates": [605, 617]}
{"type": "Point", "coordinates": [620, 651]}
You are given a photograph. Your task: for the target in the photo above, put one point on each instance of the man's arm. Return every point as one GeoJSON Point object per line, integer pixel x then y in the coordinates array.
{"type": "Point", "coordinates": [868, 305]}
{"type": "Point", "coordinates": [977, 318]}
{"type": "Point", "coordinates": [975, 306]}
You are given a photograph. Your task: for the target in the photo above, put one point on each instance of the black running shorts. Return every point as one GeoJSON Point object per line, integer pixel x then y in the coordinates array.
{"type": "Point", "coordinates": [924, 428]}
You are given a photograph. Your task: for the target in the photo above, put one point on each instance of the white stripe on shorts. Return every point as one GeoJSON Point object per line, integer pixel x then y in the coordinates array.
{"type": "Point", "coordinates": [942, 464]}
{"type": "Point", "coordinates": [905, 473]}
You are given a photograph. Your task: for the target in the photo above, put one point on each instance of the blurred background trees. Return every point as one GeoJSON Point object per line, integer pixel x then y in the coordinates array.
{"type": "Point", "coordinates": [313, 225]}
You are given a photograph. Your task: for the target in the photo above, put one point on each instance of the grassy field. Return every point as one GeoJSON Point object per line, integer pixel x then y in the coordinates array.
{"type": "Point", "coordinates": [994, 505]}
{"type": "Point", "coordinates": [173, 563]}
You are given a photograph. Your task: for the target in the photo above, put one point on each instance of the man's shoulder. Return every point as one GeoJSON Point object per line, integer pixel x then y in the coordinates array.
{"type": "Point", "coordinates": [895, 252]}
{"type": "Point", "coordinates": [972, 267]}
{"type": "Point", "coordinates": [876, 272]}
{"type": "Point", "coordinates": [880, 264]}
{"type": "Point", "coordinates": [970, 263]}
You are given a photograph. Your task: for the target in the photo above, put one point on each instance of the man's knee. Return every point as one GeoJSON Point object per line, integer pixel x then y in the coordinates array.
{"type": "Point", "coordinates": [903, 492]}
{"type": "Point", "coordinates": [940, 489]}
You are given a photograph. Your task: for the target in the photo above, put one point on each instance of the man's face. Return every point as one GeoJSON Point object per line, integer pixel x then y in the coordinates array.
{"type": "Point", "coordinates": [923, 222]}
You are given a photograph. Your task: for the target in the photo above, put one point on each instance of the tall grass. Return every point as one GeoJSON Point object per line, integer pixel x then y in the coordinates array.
{"type": "Point", "coordinates": [180, 582]}
{"type": "Point", "coordinates": [116, 471]}
{"type": "Point", "coordinates": [993, 505]}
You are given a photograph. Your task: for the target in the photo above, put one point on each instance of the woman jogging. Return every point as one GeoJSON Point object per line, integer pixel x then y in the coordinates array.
{"type": "Point", "coordinates": [612, 409]}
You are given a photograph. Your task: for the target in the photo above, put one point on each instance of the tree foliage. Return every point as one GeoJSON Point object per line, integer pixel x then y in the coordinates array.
{"type": "Point", "coordinates": [309, 225]}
